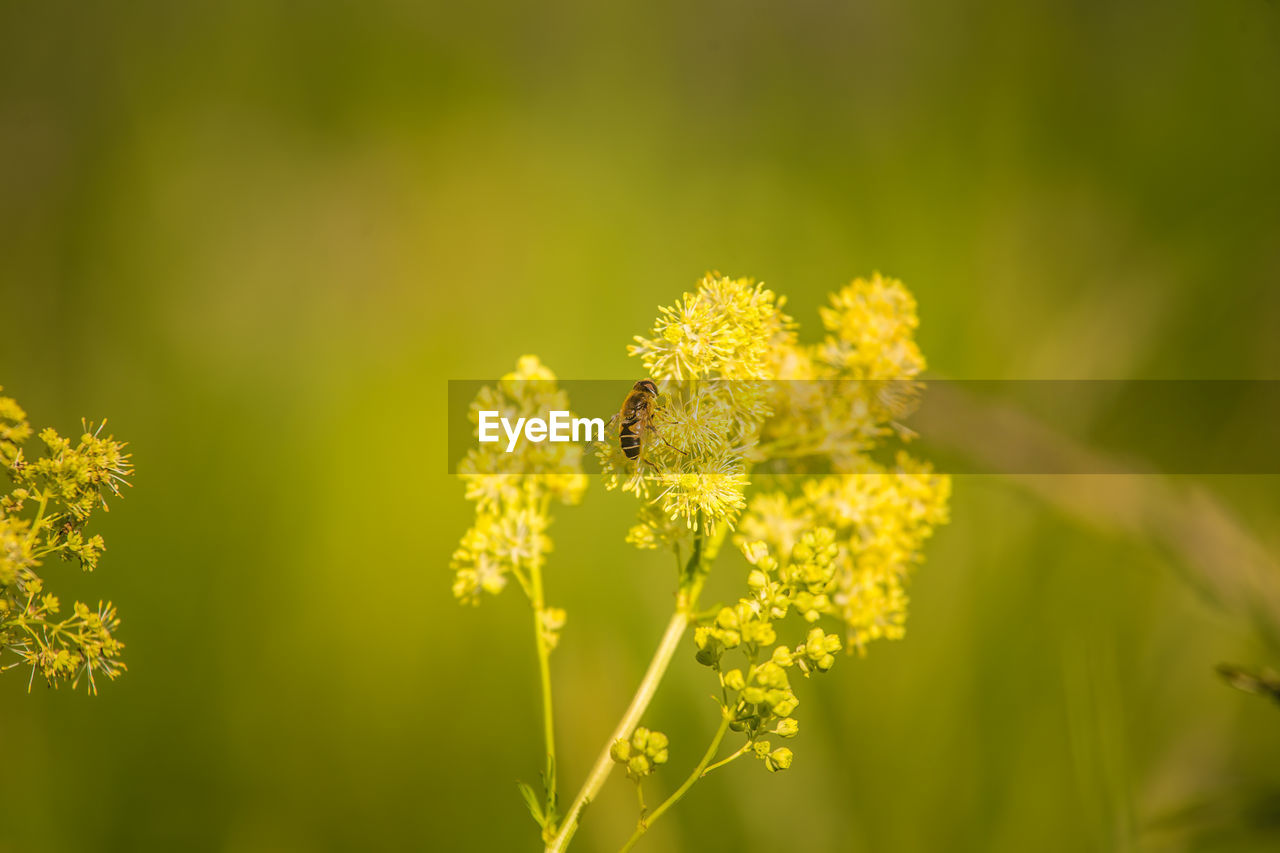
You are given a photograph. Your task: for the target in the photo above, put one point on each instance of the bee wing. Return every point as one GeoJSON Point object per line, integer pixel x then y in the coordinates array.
{"type": "Point", "coordinates": [610, 429]}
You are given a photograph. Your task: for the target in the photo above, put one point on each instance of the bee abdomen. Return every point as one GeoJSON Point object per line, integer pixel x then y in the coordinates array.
{"type": "Point", "coordinates": [629, 439]}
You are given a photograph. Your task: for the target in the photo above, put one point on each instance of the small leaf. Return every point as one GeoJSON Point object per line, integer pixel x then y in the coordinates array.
{"type": "Point", "coordinates": [1263, 682]}
{"type": "Point", "coordinates": [531, 800]}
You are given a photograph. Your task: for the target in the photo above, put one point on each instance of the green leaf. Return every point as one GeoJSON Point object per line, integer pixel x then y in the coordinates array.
{"type": "Point", "coordinates": [531, 800]}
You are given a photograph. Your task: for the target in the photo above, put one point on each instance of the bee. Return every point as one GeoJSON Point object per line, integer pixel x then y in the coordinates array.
{"type": "Point", "coordinates": [635, 419]}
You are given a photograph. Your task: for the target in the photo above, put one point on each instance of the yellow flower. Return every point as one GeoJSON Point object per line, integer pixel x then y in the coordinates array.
{"type": "Point", "coordinates": [721, 330]}
{"type": "Point", "coordinates": [879, 517]}
{"type": "Point", "coordinates": [713, 491]}
{"type": "Point", "coordinates": [513, 491]}
{"type": "Point", "coordinates": [535, 468]}
{"type": "Point", "coordinates": [872, 324]}
{"type": "Point", "coordinates": [840, 397]}
{"type": "Point", "coordinates": [477, 567]}
{"type": "Point", "coordinates": [65, 485]}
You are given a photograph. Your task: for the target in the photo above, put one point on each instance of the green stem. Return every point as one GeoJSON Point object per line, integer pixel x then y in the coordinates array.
{"type": "Point", "coordinates": [746, 747]}
{"type": "Point", "coordinates": [704, 553]}
{"type": "Point", "coordinates": [35, 525]}
{"type": "Point", "coordinates": [701, 770]}
{"type": "Point", "coordinates": [639, 704]}
{"type": "Point", "coordinates": [544, 673]}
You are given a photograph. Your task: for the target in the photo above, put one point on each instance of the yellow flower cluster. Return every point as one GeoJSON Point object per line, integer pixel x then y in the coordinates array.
{"type": "Point", "coordinates": [723, 330]}
{"type": "Point", "coordinates": [759, 700]}
{"type": "Point", "coordinates": [738, 389]}
{"type": "Point", "coordinates": [641, 753]}
{"type": "Point", "coordinates": [871, 325]}
{"type": "Point", "coordinates": [495, 478]}
{"type": "Point", "coordinates": [58, 489]}
{"type": "Point", "coordinates": [697, 477]}
{"type": "Point", "coordinates": [14, 429]}
{"type": "Point", "coordinates": [837, 399]}
{"type": "Point", "coordinates": [880, 518]}
{"type": "Point", "coordinates": [513, 491]}
{"type": "Point", "coordinates": [71, 648]}
{"type": "Point", "coordinates": [710, 354]}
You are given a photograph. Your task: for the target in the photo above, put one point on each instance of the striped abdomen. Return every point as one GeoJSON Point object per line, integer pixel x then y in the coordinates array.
{"type": "Point", "coordinates": [629, 437]}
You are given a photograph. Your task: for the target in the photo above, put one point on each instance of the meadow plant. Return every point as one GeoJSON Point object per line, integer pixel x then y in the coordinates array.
{"type": "Point", "coordinates": [42, 516]}
{"type": "Point", "coordinates": [827, 553]}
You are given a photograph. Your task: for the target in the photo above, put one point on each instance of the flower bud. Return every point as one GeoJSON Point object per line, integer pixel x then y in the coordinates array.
{"type": "Point", "coordinates": [769, 674]}
{"type": "Point", "coordinates": [787, 727]}
{"type": "Point", "coordinates": [733, 679]}
{"type": "Point", "coordinates": [815, 643]}
{"type": "Point", "coordinates": [760, 633]}
{"type": "Point", "coordinates": [753, 551]}
{"type": "Point", "coordinates": [774, 698]}
{"type": "Point", "coordinates": [779, 759]}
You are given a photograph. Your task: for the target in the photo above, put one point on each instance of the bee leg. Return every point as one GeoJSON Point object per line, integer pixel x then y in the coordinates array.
{"type": "Point", "coordinates": [673, 447]}
{"type": "Point", "coordinates": [667, 443]}
{"type": "Point", "coordinates": [653, 429]}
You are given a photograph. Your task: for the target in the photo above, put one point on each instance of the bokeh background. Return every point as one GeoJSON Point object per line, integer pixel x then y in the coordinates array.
{"type": "Point", "coordinates": [260, 236]}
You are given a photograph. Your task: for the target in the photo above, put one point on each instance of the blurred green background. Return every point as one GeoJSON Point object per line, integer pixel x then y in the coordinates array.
{"type": "Point", "coordinates": [260, 237]}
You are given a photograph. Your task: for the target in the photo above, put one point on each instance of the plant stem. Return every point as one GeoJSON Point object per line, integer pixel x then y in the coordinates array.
{"type": "Point", "coordinates": [701, 770]}
{"type": "Point", "coordinates": [746, 747]}
{"type": "Point", "coordinates": [35, 525]}
{"type": "Point", "coordinates": [704, 553]}
{"type": "Point", "coordinates": [639, 704]}
{"type": "Point", "coordinates": [544, 672]}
